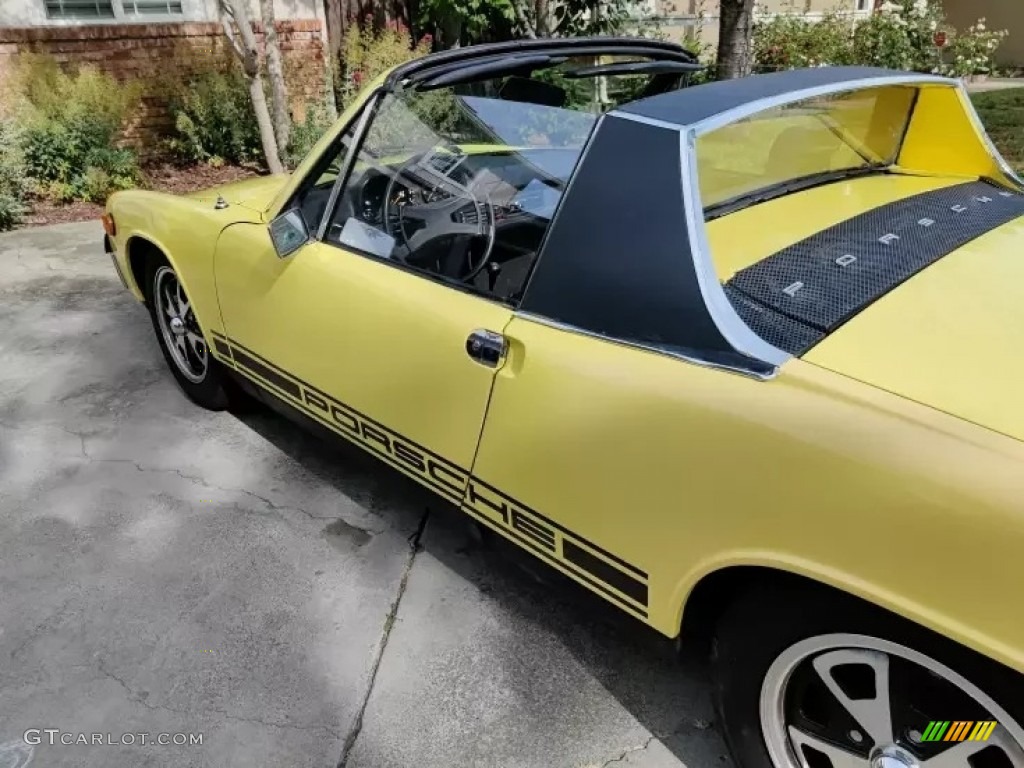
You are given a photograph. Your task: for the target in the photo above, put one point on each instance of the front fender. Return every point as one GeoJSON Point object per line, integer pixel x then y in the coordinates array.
{"type": "Point", "coordinates": [185, 231]}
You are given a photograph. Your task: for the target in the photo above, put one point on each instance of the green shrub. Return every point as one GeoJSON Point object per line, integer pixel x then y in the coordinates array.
{"type": "Point", "coordinates": [307, 133]}
{"type": "Point", "coordinates": [900, 35]}
{"type": "Point", "coordinates": [790, 40]}
{"type": "Point", "coordinates": [71, 124]}
{"type": "Point", "coordinates": [13, 183]}
{"type": "Point", "coordinates": [367, 52]}
{"type": "Point", "coordinates": [972, 51]}
{"type": "Point", "coordinates": [214, 121]}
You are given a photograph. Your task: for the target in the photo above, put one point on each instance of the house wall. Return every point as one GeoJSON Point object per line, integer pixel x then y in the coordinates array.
{"type": "Point", "coordinates": [998, 14]}
{"type": "Point", "coordinates": [32, 13]}
{"type": "Point", "coordinates": [153, 52]}
{"type": "Point", "coordinates": [683, 18]}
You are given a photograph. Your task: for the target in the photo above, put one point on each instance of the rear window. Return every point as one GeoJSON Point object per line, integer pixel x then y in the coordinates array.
{"type": "Point", "coordinates": [803, 142]}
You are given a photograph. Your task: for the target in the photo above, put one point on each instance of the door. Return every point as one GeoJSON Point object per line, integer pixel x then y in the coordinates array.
{"type": "Point", "coordinates": [389, 354]}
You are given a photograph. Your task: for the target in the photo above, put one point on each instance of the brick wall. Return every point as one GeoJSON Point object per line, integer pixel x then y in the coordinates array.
{"type": "Point", "coordinates": [152, 52]}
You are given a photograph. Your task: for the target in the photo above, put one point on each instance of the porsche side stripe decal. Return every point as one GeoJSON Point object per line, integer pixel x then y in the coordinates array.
{"type": "Point", "coordinates": [410, 458]}
{"type": "Point", "coordinates": [599, 569]}
{"type": "Point", "coordinates": [474, 496]}
{"type": "Point", "coordinates": [221, 347]}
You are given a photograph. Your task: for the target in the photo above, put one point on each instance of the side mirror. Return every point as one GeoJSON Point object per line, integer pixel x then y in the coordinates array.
{"type": "Point", "coordinates": [288, 232]}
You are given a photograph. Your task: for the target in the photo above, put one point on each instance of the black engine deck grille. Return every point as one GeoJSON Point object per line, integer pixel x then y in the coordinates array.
{"type": "Point", "coordinates": [796, 297]}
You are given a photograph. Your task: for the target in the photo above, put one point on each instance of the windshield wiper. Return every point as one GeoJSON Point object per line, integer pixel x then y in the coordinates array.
{"type": "Point", "coordinates": [634, 68]}
{"type": "Point", "coordinates": [784, 188]}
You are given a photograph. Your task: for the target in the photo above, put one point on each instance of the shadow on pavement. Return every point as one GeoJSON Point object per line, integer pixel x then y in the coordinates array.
{"type": "Point", "coordinates": [665, 690]}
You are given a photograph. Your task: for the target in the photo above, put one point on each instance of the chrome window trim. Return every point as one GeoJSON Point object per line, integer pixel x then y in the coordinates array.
{"type": "Point", "coordinates": [646, 120]}
{"type": "Point", "coordinates": [722, 312]}
{"type": "Point", "coordinates": [762, 105]}
{"type": "Point", "coordinates": [979, 128]}
{"type": "Point", "coordinates": [369, 107]}
{"type": "Point", "coordinates": [568, 328]}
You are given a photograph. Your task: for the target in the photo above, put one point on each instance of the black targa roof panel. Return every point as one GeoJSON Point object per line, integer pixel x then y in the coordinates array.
{"type": "Point", "coordinates": [616, 260]}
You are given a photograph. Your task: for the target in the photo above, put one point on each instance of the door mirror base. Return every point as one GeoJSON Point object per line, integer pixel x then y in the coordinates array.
{"type": "Point", "coordinates": [288, 232]}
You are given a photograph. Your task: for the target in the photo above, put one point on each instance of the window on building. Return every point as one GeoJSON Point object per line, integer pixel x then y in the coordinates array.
{"type": "Point", "coordinates": [864, 5]}
{"type": "Point", "coordinates": [152, 7]}
{"type": "Point", "coordinates": [79, 9]}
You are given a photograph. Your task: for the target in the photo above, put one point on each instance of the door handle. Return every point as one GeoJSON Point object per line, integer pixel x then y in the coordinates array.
{"type": "Point", "coordinates": [486, 347]}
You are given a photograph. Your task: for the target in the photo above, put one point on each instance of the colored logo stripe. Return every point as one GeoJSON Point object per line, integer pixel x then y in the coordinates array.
{"type": "Point", "coordinates": [935, 730]}
{"type": "Point", "coordinates": [958, 730]}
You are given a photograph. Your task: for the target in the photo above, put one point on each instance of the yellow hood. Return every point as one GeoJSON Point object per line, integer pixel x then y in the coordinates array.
{"type": "Point", "coordinates": [951, 337]}
{"type": "Point", "coordinates": [255, 194]}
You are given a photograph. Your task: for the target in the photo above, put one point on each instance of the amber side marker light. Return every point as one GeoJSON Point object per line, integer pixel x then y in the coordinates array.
{"type": "Point", "coordinates": [108, 224]}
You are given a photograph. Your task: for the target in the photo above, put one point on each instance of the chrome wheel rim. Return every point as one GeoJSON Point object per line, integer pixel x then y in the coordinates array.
{"type": "Point", "coordinates": [854, 701]}
{"type": "Point", "coordinates": [178, 326]}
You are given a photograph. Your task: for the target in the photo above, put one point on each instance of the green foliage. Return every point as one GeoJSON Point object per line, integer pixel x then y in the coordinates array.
{"type": "Point", "coordinates": [468, 21]}
{"type": "Point", "coordinates": [307, 133]}
{"type": "Point", "coordinates": [1002, 112]}
{"type": "Point", "coordinates": [70, 127]}
{"type": "Point", "coordinates": [790, 40]}
{"type": "Point", "coordinates": [899, 35]}
{"type": "Point", "coordinates": [367, 52]}
{"type": "Point", "coordinates": [13, 183]}
{"type": "Point", "coordinates": [214, 120]}
{"type": "Point", "coordinates": [972, 50]}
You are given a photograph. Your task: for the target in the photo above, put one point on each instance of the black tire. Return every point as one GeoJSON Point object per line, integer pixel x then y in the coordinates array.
{"type": "Point", "coordinates": [213, 389]}
{"type": "Point", "coordinates": [765, 623]}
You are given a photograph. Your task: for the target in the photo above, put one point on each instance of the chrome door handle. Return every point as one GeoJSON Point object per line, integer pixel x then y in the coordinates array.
{"type": "Point", "coordinates": [486, 347]}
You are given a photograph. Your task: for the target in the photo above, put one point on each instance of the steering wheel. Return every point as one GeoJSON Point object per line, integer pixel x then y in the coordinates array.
{"type": "Point", "coordinates": [435, 206]}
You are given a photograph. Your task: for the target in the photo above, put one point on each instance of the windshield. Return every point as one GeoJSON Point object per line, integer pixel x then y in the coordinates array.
{"type": "Point", "coordinates": [804, 142]}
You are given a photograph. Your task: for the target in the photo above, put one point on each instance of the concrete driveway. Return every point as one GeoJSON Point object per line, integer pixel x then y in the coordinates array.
{"type": "Point", "coordinates": [165, 570]}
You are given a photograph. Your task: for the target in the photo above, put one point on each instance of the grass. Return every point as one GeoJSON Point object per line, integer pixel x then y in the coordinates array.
{"type": "Point", "coordinates": [1003, 115]}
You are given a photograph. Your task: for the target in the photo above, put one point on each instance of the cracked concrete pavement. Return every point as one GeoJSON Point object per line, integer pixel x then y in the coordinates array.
{"type": "Point", "coordinates": [164, 569]}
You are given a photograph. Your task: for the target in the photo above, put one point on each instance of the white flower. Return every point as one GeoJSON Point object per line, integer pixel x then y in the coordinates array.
{"type": "Point", "coordinates": [920, 5]}
{"type": "Point", "coordinates": [980, 26]}
{"type": "Point", "coordinates": [933, 25]}
{"type": "Point", "coordinates": [888, 7]}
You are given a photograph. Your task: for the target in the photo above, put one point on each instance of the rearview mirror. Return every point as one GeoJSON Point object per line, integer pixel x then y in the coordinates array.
{"type": "Point", "coordinates": [288, 232]}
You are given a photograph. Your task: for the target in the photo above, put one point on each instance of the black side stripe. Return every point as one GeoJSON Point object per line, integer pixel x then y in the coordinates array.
{"type": "Point", "coordinates": [267, 373]}
{"type": "Point", "coordinates": [526, 526]}
{"type": "Point", "coordinates": [563, 529]}
{"type": "Point", "coordinates": [606, 573]}
{"type": "Point", "coordinates": [547, 556]}
{"type": "Point", "coordinates": [342, 421]}
{"type": "Point", "coordinates": [362, 416]}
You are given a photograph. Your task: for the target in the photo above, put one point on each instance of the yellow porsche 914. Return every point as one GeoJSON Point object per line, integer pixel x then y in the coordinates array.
{"type": "Point", "coordinates": [746, 359]}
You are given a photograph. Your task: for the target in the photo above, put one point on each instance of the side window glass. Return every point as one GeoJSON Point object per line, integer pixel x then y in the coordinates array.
{"type": "Point", "coordinates": [460, 186]}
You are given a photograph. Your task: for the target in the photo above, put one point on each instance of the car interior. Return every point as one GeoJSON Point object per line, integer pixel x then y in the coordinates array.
{"type": "Point", "coordinates": [468, 189]}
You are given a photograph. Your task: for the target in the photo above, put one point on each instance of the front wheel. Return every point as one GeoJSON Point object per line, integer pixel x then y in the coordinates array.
{"type": "Point", "coordinates": [181, 340]}
{"type": "Point", "coordinates": [807, 680]}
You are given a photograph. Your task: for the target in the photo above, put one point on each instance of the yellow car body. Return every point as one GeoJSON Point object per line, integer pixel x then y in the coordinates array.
{"type": "Point", "coordinates": [886, 462]}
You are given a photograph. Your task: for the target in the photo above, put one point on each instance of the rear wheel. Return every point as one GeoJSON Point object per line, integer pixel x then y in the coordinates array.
{"type": "Point", "coordinates": [804, 680]}
{"type": "Point", "coordinates": [181, 339]}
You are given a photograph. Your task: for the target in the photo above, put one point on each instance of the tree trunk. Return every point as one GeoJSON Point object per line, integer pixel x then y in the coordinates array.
{"type": "Point", "coordinates": [259, 105]}
{"type": "Point", "coordinates": [234, 18]}
{"type": "Point", "coordinates": [543, 21]}
{"type": "Point", "coordinates": [275, 73]}
{"type": "Point", "coordinates": [735, 29]}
